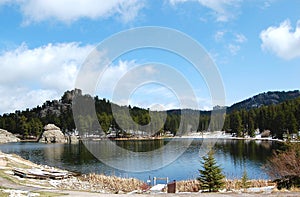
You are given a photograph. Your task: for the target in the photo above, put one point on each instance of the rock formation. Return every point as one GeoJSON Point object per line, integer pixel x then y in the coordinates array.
{"type": "Point", "coordinates": [6, 137]}
{"type": "Point", "coordinates": [52, 134]}
{"type": "Point", "coordinates": [73, 139]}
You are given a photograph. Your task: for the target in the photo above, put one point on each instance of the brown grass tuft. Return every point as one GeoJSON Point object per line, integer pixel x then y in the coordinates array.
{"type": "Point", "coordinates": [230, 185]}
{"type": "Point", "coordinates": [188, 186]}
{"type": "Point", "coordinates": [237, 184]}
{"type": "Point", "coordinates": [112, 183]}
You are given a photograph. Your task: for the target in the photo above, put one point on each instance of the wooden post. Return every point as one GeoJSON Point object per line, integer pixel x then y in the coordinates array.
{"type": "Point", "coordinates": [171, 187]}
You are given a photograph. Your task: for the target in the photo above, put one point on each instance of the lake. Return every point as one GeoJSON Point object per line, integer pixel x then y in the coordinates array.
{"type": "Point", "coordinates": [234, 156]}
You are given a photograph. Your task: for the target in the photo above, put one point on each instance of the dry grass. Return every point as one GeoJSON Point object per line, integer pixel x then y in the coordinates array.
{"type": "Point", "coordinates": [230, 185]}
{"type": "Point", "coordinates": [188, 186]}
{"type": "Point", "coordinates": [237, 184]}
{"type": "Point", "coordinates": [112, 183]}
{"type": "Point", "coordinates": [294, 189]}
{"type": "Point", "coordinates": [15, 161]}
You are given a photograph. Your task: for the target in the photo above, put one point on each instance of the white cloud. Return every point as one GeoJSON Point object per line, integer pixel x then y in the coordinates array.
{"type": "Point", "coordinates": [154, 96]}
{"type": "Point", "coordinates": [3, 2]}
{"type": "Point", "coordinates": [240, 38]}
{"type": "Point", "coordinates": [71, 10]}
{"type": "Point", "coordinates": [111, 76]}
{"type": "Point", "coordinates": [234, 49]}
{"type": "Point", "coordinates": [17, 98]}
{"type": "Point", "coordinates": [267, 4]}
{"type": "Point", "coordinates": [221, 8]}
{"type": "Point", "coordinates": [127, 82]}
{"type": "Point", "coordinates": [30, 76]}
{"type": "Point", "coordinates": [282, 40]}
{"type": "Point", "coordinates": [232, 41]}
{"type": "Point", "coordinates": [219, 36]}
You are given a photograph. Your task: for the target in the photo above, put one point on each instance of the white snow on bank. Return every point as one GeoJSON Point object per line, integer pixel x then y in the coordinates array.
{"type": "Point", "coordinates": [267, 189]}
{"type": "Point", "coordinates": [157, 188]}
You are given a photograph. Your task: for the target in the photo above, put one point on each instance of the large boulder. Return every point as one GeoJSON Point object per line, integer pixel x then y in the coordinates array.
{"type": "Point", "coordinates": [52, 134]}
{"type": "Point", "coordinates": [49, 127]}
{"type": "Point", "coordinates": [6, 137]}
{"type": "Point", "coordinates": [266, 133]}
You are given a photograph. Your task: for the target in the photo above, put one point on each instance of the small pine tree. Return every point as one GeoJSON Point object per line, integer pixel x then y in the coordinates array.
{"type": "Point", "coordinates": [211, 176]}
{"type": "Point", "coordinates": [245, 180]}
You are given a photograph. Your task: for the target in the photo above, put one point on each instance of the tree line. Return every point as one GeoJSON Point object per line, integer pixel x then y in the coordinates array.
{"type": "Point", "coordinates": [279, 119]}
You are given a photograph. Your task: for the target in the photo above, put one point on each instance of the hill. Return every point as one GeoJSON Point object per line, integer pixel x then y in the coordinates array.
{"type": "Point", "coordinates": [264, 99]}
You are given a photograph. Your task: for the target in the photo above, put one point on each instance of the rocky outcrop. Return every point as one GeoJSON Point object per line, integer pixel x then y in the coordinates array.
{"type": "Point", "coordinates": [6, 137]}
{"type": "Point", "coordinates": [73, 139]}
{"type": "Point", "coordinates": [266, 133]}
{"type": "Point", "coordinates": [52, 134]}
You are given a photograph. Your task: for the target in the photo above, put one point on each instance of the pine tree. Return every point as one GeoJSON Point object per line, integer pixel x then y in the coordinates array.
{"type": "Point", "coordinates": [236, 124]}
{"type": "Point", "coordinates": [245, 180]}
{"type": "Point", "coordinates": [211, 176]}
{"type": "Point", "coordinates": [251, 122]}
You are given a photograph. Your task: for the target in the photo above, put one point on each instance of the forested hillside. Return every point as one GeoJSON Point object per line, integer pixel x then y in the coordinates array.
{"type": "Point", "coordinates": [264, 99]}
{"type": "Point", "coordinates": [280, 117]}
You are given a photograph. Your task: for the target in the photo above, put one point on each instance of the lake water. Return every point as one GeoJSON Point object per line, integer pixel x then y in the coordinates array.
{"type": "Point", "coordinates": [232, 155]}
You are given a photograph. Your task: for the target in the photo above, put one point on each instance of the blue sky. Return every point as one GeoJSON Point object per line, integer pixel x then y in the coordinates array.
{"type": "Point", "coordinates": [255, 44]}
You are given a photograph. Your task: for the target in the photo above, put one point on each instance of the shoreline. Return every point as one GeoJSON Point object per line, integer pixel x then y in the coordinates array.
{"type": "Point", "coordinates": [101, 185]}
{"type": "Point", "coordinates": [188, 137]}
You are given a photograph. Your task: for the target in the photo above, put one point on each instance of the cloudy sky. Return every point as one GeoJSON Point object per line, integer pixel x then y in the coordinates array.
{"type": "Point", "coordinates": [255, 45]}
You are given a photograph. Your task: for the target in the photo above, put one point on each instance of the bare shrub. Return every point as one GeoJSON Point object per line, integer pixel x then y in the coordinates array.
{"type": "Point", "coordinates": [285, 167]}
{"type": "Point", "coordinates": [286, 163]}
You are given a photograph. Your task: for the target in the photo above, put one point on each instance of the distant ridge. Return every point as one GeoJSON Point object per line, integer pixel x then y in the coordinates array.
{"type": "Point", "coordinates": [265, 99]}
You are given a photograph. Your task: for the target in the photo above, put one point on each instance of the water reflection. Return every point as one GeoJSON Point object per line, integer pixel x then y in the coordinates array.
{"type": "Point", "coordinates": [233, 155]}
{"type": "Point", "coordinates": [141, 145]}
{"type": "Point", "coordinates": [53, 154]}
{"type": "Point", "coordinates": [138, 156]}
{"type": "Point", "coordinates": [246, 155]}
